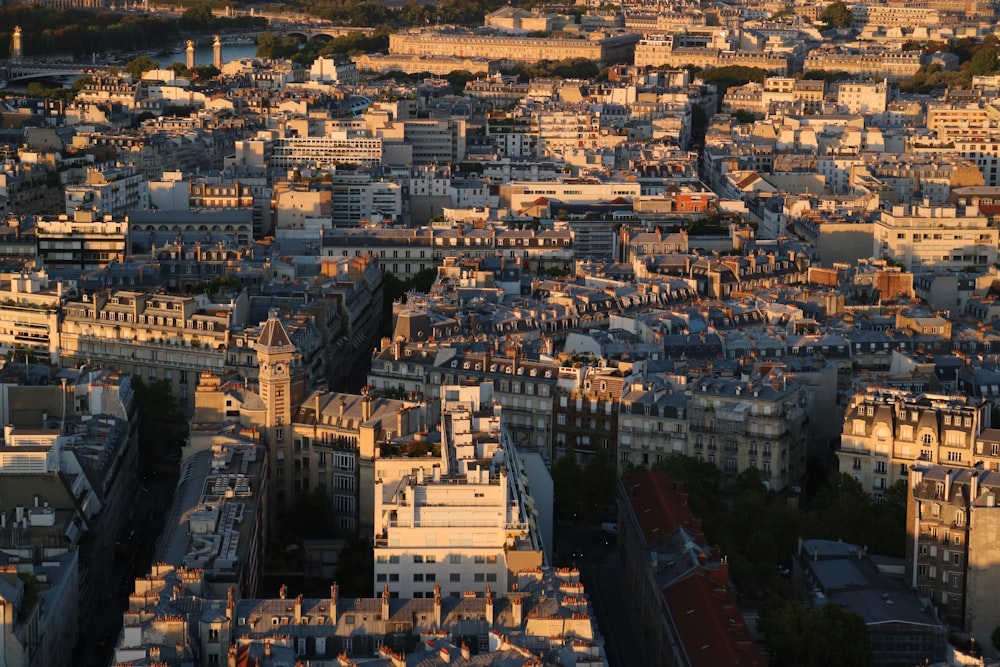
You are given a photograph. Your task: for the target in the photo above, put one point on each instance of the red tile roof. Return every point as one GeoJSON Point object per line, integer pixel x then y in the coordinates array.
{"type": "Point", "coordinates": [709, 625]}
{"type": "Point", "coordinates": [659, 503]}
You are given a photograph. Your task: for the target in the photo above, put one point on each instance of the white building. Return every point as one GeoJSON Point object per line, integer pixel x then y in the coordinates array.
{"type": "Point", "coordinates": [863, 97]}
{"type": "Point", "coordinates": [115, 191]}
{"type": "Point", "coordinates": [466, 525]}
{"type": "Point", "coordinates": [926, 236]}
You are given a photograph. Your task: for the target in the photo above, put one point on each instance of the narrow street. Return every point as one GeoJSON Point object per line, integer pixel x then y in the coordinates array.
{"type": "Point", "coordinates": [586, 546]}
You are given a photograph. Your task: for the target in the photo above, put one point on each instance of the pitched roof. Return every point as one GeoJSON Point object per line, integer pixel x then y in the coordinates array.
{"type": "Point", "coordinates": [273, 334]}
{"type": "Point", "coordinates": [709, 624]}
{"type": "Point", "coordinates": [659, 504]}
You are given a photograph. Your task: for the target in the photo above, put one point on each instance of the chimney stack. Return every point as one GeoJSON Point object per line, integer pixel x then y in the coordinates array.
{"type": "Point", "coordinates": [518, 611]}
{"type": "Point", "coordinates": [385, 603]}
{"type": "Point", "coordinates": [298, 609]}
{"type": "Point", "coordinates": [437, 606]}
{"type": "Point", "coordinates": [489, 607]}
{"type": "Point", "coordinates": [366, 408]}
{"type": "Point", "coordinates": [333, 604]}
{"type": "Point", "coordinates": [283, 591]}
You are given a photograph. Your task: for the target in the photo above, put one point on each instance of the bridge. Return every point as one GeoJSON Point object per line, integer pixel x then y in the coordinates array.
{"type": "Point", "coordinates": [25, 70]}
{"type": "Point", "coordinates": [309, 31]}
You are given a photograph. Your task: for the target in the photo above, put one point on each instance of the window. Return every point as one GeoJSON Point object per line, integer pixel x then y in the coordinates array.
{"type": "Point", "coordinates": [479, 577]}
{"type": "Point", "coordinates": [418, 576]}
{"type": "Point", "coordinates": [418, 559]}
{"type": "Point", "coordinates": [491, 576]}
{"type": "Point", "coordinates": [455, 559]}
{"type": "Point", "coordinates": [455, 577]}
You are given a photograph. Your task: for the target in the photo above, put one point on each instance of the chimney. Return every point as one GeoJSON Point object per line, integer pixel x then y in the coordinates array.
{"type": "Point", "coordinates": [947, 485]}
{"type": "Point", "coordinates": [333, 604]}
{"type": "Point", "coordinates": [298, 609]}
{"type": "Point", "coordinates": [366, 408]}
{"type": "Point", "coordinates": [400, 419]}
{"type": "Point", "coordinates": [444, 654]}
{"type": "Point", "coordinates": [267, 649]}
{"type": "Point", "coordinates": [973, 486]}
{"type": "Point", "coordinates": [720, 575]}
{"type": "Point", "coordinates": [436, 472]}
{"type": "Point", "coordinates": [489, 607]}
{"type": "Point", "coordinates": [283, 591]}
{"type": "Point", "coordinates": [230, 603]}
{"type": "Point", "coordinates": [385, 603]}
{"type": "Point", "coordinates": [518, 611]}
{"type": "Point", "coordinates": [437, 606]}
{"type": "Point", "coordinates": [916, 476]}
{"type": "Point", "coordinates": [343, 404]}
{"type": "Point", "coordinates": [465, 651]}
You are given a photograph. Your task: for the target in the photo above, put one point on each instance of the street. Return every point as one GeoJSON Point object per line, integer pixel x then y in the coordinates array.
{"type": "Point", "coordinates": [594, 552]}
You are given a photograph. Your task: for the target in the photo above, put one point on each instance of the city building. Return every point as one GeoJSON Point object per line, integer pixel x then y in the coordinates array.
{"type": "Point", "coordinates": [886, 431]}
{"type": "Point", "coordinates": [758, 424]}
{"type": "Point", "coordinates": [468, 523]}
{"type": "Point", "coordinates": [30, 306]}
{"type": "Point", "coordinates": [81, 241]}
{"type": "Point", "coordinates": [924, 236]}
{"type": "Point", "coordinates": [677, 584]}
{"type": "Point", "coordinates": [902, 627]}
{"type": "Point", "coordinates": [951, 530]}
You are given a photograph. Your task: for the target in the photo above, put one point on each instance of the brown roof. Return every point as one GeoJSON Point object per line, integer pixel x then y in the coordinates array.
{"type": "Point", "coordinates": [709, 624]}
{"type": "Point", "coordinates": [659, 503]}
{"type": "Point", "coordinates": [273, 334]}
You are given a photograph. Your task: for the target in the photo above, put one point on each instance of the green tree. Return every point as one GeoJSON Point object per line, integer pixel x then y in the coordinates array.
{"type": "Point", "coordinates": [566, 483]}
{"type": "Point", "coordinates": [983, 62]}
{"type": "Point", "coordinates": [356, 569]}
{"type": "Point", "coordinates": [161, 422]}
{"type": "Point", "coordinates": [837, 15]}
{"type": "Point", "coordinates": [827, 636]}
{"type": "Point", "coordinates": [140, 64]}
{"type": "Point", "coordinates": [422, 281]}
{"type": "Point", "coordinates": [199, 17]}
{"type": "Point", "coordinates": [600, 480]}
{"type": "Point", "coordinates": [311, 516]}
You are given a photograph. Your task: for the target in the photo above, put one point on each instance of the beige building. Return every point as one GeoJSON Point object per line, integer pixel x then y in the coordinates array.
{"type": "Point", "coordinates": [152, 336]}
{"type": "Point", "coordinates": [657, 51]}
{"type": "Point", "coordinates": [601, 48]}
{"type": "Point", "coordinates": [887, 430]}
{"type": "Point", "coordinates": [29, 314]}
{"type": "Point", "coordinates": [439, 65]}
{"type": "Point", "coordinates": [924, 236]}
{"type": "Point", "coordinates": [758, 424]}
{"type": "Point", "coordinates": [467, 523]}
{"type": "Point", "coordinates": [952, 528]}
{"type": "Point", "coordinates": [891, 65]}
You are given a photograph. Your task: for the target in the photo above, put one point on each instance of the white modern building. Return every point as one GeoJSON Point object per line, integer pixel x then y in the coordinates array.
{"type": "Point", "coordinates": [468, 523]}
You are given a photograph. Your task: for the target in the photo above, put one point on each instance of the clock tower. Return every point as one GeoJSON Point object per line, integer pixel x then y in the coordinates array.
{"type": "Point", "coordinates": [281, 386]}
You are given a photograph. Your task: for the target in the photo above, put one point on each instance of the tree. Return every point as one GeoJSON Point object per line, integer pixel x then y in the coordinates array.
{"type": "Point", "coordinates": [161, 422]}
{"type": "Point", "coordinates": [141, 64]}
{"type": "Point", "coordinates": [566, 482]}
{"type": "Point", "coordinates": [983, 62]}
{"type": "Point", "coordinates": [356, 569]}
{"type": "Point", "coordinates": [827, 636]}
{"type": "Point", "coordinates": [600, 479]}
{"type": "Point", "coordinates": [199, 17]}
{"type": "Point", "coordinates": [837, 15]}
{"type": "Point", "coordinates": [311, 516]}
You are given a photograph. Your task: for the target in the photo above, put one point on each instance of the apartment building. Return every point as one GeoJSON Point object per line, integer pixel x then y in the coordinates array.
{"type": "Point", "coordinates": [114, 191]}
{"type": "Point", "coordinates": [524, 387]}
{"type": "Point", "coordinates": [888, 430]}
{"type": "Point", "coordinates": [925, 236]}
{"type": "Point", "coordinates": [468, 524]}
{"type": "Point", "coordinates": [889, 65]}
{"type": "Point", "coordinates": [658, 51]}
{"type": "Point", "coordinates": [81, 241]}
{"type": "Point", "coordinates": [325, 152]}
{"type": "Point", "coordinates": [653, 424]}
{"type": "Point", "coordinates": [678, 585]}
{"type": "Point", "coordinates": [603, 49]}
{"type": "Point", "coordinates": [863, 97]}
{"type": "Point", "coordinates": [151, 336]}
{"type": "Point", "coordinates": [218, 521]}
{"type": "Point", "coordinates": [757, 424]}
{"type": "Point", "coordinates": [550, 615]}
{"type": "Point", "coordinates": [951, 535]}
{"type": "Point", "coordinates": [586, 412]}
{"type": "Point", "coordinates": [29, 314]}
